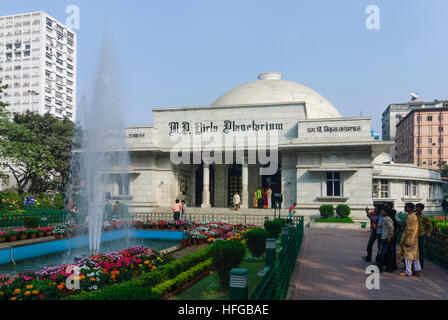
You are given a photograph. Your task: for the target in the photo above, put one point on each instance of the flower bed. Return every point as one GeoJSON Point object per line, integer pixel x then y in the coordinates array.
{"type": "Point", "coordinates": [96, 272]}
{"type": "Point", "coordinates": [24, 233]}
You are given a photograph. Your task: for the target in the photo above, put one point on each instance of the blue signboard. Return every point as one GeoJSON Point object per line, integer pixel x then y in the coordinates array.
{"type": "Point", "coordinates": [29, 201]}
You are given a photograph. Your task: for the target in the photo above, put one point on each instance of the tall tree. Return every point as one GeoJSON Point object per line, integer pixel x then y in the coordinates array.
{"type": "Point", "coordinates": [56, 136]}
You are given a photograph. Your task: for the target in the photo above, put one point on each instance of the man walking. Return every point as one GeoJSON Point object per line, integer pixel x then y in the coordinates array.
{"type": "Point", "coordinates": [385, 256]}
{"type": "Point", "coordinates": [424, 230]}
{"type": "Point", "coordinates": [373, 217]}
{"type": "Point", "coordinates": [260, 198]}
{"type": "Point", "coordinates": [408, 248]}
{"type": "Point", "coordinates": [236, 201]}
{"type": "Point", "coordinates": [176, 210]}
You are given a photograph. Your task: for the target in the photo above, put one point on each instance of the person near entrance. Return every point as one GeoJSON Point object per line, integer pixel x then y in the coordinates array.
{"type": "Point", "coordinates": [255, 199]}
{"type": "Point", "coordinates": [269, 195]}
{"type": "Point", "coordinates": [259, 198]}
{"type": "Point", "coordinates": [176, 210]}
{"type": "Point", "coordinates": [183, 210]}
{"type": "Point", "coordinates": [116, 211]}
{"type": "Point", "coordinates": [265, 199]}
{"type": "Point", "coordinates": [424, 230]}
{"type": "Point", "coordinates": [236, 201]}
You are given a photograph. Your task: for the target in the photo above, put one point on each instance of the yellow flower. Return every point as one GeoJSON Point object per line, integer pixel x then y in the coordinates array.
{"type": "Point", "coordinates": [92, 279]}
{"type": "Point", "coordinates": [13, 298]}
{"type": "Point", "coordinates": [1, 293]}
{"type": "Point", "coordinates": [29, 286]}
{"type": "Point", "coordinates": [35, 292]}
{"type": "Point", "coordinates": [146, 262]}
{"type": "Point", "coordinates": [27, 293]}
{"type": "Point", "coordinates": [17, 291]}
{"type": "Point", "coordinates": [140, 265]}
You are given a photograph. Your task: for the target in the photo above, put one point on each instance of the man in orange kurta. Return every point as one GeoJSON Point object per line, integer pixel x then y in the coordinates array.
{"type": "Point", "coordinates": [408, 248]}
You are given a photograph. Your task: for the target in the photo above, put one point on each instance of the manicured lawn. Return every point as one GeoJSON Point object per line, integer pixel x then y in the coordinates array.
{"type": "Point", "coordinates": [207, 288]}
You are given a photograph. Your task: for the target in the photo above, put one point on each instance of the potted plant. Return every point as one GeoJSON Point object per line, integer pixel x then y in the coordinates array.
{"type": "Point", "coordinates": [139, 224]}
{"type": "Point", "coordinates": [172, 225]}
{"type": "Point", "coordinates": [32, 233]}
{"type": "Point", "coordinates": [58, 232]}
{"type": "Point", "coordinates": [48, 231]}
{"type": "Point", "coordinates": [3, 236]}
{"type": "Point", "coordinates": [40, 233]}
{"type": "Point", "coordinates": [152, 224]}
{"type": "Point", "coordinates": [163, 224]}
{"type": "Point", "coordinates": [22, 235]}
{"type": "Point", "coordinates": [12, 236]}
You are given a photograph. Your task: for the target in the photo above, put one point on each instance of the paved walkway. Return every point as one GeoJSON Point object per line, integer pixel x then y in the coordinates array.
{"type": "Point", "coordinates": [331, 268]}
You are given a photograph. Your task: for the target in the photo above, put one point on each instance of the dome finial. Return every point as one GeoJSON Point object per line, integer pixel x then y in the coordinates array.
{"type": "Point", "coordinates": [270, 76]}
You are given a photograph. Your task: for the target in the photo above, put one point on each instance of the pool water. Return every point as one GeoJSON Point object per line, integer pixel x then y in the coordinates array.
{"type": "Point", "coordinates": [68, 257]}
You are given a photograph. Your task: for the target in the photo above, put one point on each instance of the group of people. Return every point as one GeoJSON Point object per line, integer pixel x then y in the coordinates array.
{"type": "Point", "coordinates": [263, 198]}
{"type": "Point", "coordinates": [180, 210]}
{"type": "Point", "coordinates": [385, 227]}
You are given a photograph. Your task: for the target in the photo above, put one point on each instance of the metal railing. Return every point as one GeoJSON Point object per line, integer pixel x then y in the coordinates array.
{"type": "Point", "coordinates": [275, 283]}
{"type": "Point", "coordinates": [436, 249]}
{"type": "Point", "coordinates": [233, 218]}
{"type": "Point", "coordinates": [48, 218]}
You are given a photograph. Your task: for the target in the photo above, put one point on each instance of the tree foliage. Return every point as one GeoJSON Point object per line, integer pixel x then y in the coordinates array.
{"type": "Point", "coordinates": [35, 149]}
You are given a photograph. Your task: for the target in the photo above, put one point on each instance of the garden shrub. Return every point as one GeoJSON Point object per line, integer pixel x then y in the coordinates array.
{"type": "Point", "coordinates": [58, 202]}
{"type": "Point", "coordinates": [256, 241]}
{"type": "Point", "coordinates": [32, 222]}
{"type": "Point", "coordinates": [274, 228]}
{"type": "Point", "coordinates": [326, 210]}
{"type": "Point", "coordinates": [226, 256]}
{"type": "Point", "coordinates": [343, 210]}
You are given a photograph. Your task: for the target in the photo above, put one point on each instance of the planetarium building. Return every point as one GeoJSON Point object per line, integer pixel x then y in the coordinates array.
{"type": "Point", "coordinates": [269, 132]}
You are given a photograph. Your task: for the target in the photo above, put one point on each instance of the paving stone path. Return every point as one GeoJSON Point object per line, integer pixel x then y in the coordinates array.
{"type": "Point", "coordinates": [330, 267]}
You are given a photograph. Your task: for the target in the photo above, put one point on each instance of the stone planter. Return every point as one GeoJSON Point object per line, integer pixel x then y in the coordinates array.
{"type": "Point", "coordinates": [47, 234]}
{"type": "Point", "coordinates": [23, 236]}
{"type": "Point", "coordinates": [2, 239]}
{"type": "Point", "coordinates": [173, 228]}
{"type": "Point", "coordinates": [40, 234]}
{"type": "Point", "coordinates": [12, 238]}
{"type": "Point", "coordinates": [58, 236]}
{"type": "Point", "coordinates": [32, 236]}
{"type": "Point", "coordinates": [335, 225]}
{"type": "Point", "coordinates": [181, 228]}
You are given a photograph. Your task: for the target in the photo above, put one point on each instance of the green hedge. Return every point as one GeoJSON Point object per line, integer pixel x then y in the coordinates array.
{"type": "Point", "coordinates": [274, 227]}
{"type": "Point", "coordinates": [343, 210]}
{"type": "Point", "coordinates": [326, 210]}
{"type": "Point", "coordinates": [142, 284]}
{"type": "Point", "coordinates": [256, 241]}
{"type": "Point", "coordinates": [183, 278]}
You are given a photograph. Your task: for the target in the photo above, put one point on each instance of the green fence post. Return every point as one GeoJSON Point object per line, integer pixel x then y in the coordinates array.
{"type": "Point", "coordinates": [270, 252]}
{"type": "Point", "coordinates": [238, 284]}
{"type": "Point", "coordinates": [285, 236]}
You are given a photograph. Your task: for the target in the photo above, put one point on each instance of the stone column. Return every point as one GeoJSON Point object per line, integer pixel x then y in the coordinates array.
{"type": "Point", "coordinates": [245, 185]}
{"type": "Point", "coordinates": [206, 188]}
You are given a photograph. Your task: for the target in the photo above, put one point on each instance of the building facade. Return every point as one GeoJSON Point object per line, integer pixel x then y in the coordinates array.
{"type": "Point", "coordinates": [422, 138]}
{"type": "Point", "coordinates": [395, 112]}
{"type": "Point", "coordinates": [269, 132]}
{"type": "Point", "coordinates": [38, 63]}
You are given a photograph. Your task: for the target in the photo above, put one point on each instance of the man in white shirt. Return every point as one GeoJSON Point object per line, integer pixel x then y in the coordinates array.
{"type": "Point", "coordinates": [236, 201]}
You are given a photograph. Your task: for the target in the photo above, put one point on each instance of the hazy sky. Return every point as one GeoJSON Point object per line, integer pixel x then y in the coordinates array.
{"type": "Point", "coordinates": [187, 53]}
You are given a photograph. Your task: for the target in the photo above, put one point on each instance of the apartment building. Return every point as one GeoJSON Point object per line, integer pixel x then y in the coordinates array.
{"type": "Point", "coordinates": [422, 138]}
{"type": "Point", "coordinates": [38, 62]}
{"type": "Point", "coordinates": [395, 112]}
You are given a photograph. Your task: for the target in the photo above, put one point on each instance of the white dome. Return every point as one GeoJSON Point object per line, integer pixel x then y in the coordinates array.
{"type": "Point", "coordinates": [272, 89]}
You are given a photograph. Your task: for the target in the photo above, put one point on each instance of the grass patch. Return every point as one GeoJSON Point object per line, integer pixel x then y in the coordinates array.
{"type": "Point", "coordinates": [335, 220]}
{"type": "Point", "coordinates": [208, 287]}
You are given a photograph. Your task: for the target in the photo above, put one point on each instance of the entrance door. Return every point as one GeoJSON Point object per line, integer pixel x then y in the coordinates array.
{"type": "Point", "coordinates": [274, 181]}
{"type": "Point", "coordinates": [199, 186]}
{"type": "Point", "coordinates": [234, 182]}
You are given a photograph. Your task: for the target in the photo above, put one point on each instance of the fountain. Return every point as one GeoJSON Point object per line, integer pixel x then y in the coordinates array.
{"type": "Point", "coordinates": [103, 155]}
